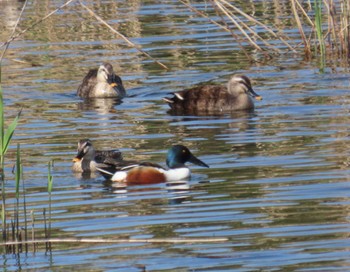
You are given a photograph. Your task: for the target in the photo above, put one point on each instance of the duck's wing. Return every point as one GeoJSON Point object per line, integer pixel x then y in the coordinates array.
{"type": "Point", "coordinates": [110, 166]}
{"type": "Point", "coordinates": [89, 82]}
{"type": "Point", "coordinates": [102, 156]}
{"type": "Point", "coordinates": [200, 98]}
{"type": "Point", "coordinates": [116, 82]}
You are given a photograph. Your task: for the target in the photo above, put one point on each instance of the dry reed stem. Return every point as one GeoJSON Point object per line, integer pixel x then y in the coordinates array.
{"type": "Point", "coordinates": [87, 240]}
{"type": "Point", "coordinates": [252, 19]}
{"type": "Point", "coordinates": [192, 8]}
{"type": "Point", "coordinates": [344, 28]}
{"type": "Point", "coordinates": [333, 26]}
{"type": "Point", "coordinates": [13, 32]}
{"type": "Point", "coordinates": [224, 11]}
{"type": "Point", "coordinates": [254, 33]}
{"type": "Point", "coordinates": [300, 27]}
{"type": "Point", "coordinates": [305, 13]}
{"type": "Point", "coordinates": [93, 14]}
{"type": "Point", "coordinates": [219, 25]}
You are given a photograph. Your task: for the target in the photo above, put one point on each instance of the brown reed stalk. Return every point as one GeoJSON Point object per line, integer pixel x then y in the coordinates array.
{"type": "Point", "coordinates": [33, 231]}
{"type": "Point", "coordinates": [252, 19]}
{"type": "Point", "coordinates": [241, 24]}
{"type": "Point", "coordinates": [344, 28]}
{"type": "Point", "coordinates": [240, 28]}
{"type": "Point", "coordinates": [333, 29]}
{"type": "Point", "coordinates": [307, 45]}
{"type": "Point", "coordinates": [224, 27]}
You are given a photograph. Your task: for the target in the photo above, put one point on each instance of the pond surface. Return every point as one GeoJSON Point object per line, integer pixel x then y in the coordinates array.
{"type": "Point", "coordinates": [278, 183]}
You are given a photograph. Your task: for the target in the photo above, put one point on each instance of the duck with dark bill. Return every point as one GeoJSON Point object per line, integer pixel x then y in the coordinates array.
{"type": "Point", "coordinates": [151, 173]}
{"type": "Point", "coordinates": [237, 95]}
{"type": "Point", "coordinates": [102, 83]}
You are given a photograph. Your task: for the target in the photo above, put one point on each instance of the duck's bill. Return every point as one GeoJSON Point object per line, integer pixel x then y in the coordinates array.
{"type": "Point", "coordinates": [197, 161]}
{"type": "Point", "coordinates": [255, 95]}
{"type": "Point", "coordinates": [117, 85]}
{"type": "Point", "coordinates": [79, 156]}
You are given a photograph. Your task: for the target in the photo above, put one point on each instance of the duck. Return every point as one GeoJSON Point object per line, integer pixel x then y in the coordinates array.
{"type": "Point", "coordinates": [237, 95]}
{"type": "Point", "coordinates": [102, 83]}
{"type": "Point", "coordinates": [88, 159]}
{"type": "Point", "coordinates": [142, 173]}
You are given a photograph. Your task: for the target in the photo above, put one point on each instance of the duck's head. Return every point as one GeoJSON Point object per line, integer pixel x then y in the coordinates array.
{"type": "Point", "coordinates": [104, 72]}
{"type": "Point", "coordinates": [178, 155]}
{"type": "Point", "coordinates": [240, 84]}
{"type": "Point", "coordinates": [85, 150]}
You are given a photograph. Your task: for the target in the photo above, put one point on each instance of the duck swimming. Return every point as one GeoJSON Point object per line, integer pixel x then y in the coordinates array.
{"type": "Point", "coordinates": [87, 158]}
{"type": "Point", "coordinates": [101, 83]}
{"type": "Point", "coordinates": [151, 173]}
{"type": "Point", "coordinates": [237, 95]}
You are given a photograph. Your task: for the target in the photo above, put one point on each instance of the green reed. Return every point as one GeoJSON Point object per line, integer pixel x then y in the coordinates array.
{"type": "Point", "coordinates": [5, 139]}
{"type": "Point", "coordinates": [319, 32]}
{"type": "Point", "coordinates": [318, 25]}
{"type": "Point", "coordinates": [18, 234]}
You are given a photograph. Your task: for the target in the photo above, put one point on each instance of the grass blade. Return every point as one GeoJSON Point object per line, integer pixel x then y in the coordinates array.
{"type": "Point", "coordinates": [9, 133]}
{"type": "Point", "coordinates": [18, 171]}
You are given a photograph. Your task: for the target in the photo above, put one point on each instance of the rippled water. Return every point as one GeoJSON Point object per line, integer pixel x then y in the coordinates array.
{"type": "Point", "coordinates": [278, 183]}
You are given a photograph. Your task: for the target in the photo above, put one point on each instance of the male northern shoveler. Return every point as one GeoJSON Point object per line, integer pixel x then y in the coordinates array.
{"type": "Point", "coordinates": [150, 173]}
{"type": "Point", "coordinates": [237, 95]}
{"type": "Point", "coordinates": [87, 158]}
{"type": "Point", "coordinates": [101, 83]}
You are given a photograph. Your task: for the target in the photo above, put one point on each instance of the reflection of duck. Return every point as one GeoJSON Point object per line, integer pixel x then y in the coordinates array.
{"type": "Point", "coordinates": [101, 106]}
{"type": "Point", "coordinates": [237, 95]}
{"type": "Point", "coordinates": [87, 158]}
{"type": "Point", "coordinates": [150, 173]}
{"type": "Point", "coordinates": [101, 83]}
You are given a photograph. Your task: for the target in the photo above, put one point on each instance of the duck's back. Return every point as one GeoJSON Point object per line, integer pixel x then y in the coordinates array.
{"type": "Point", "coordinates": [207, 98]}
{"type": "Point", "coordinates": [88, 84]}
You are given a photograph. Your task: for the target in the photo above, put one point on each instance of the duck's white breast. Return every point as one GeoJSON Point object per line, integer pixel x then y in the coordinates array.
{"type": "Point", "coordinates": [177, 174]}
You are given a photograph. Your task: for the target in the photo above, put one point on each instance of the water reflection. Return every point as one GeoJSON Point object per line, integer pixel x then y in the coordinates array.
{"type": "Point", "coordinates": [101, 105]}
{"type": "Point", "coordinates": [177, 191]}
